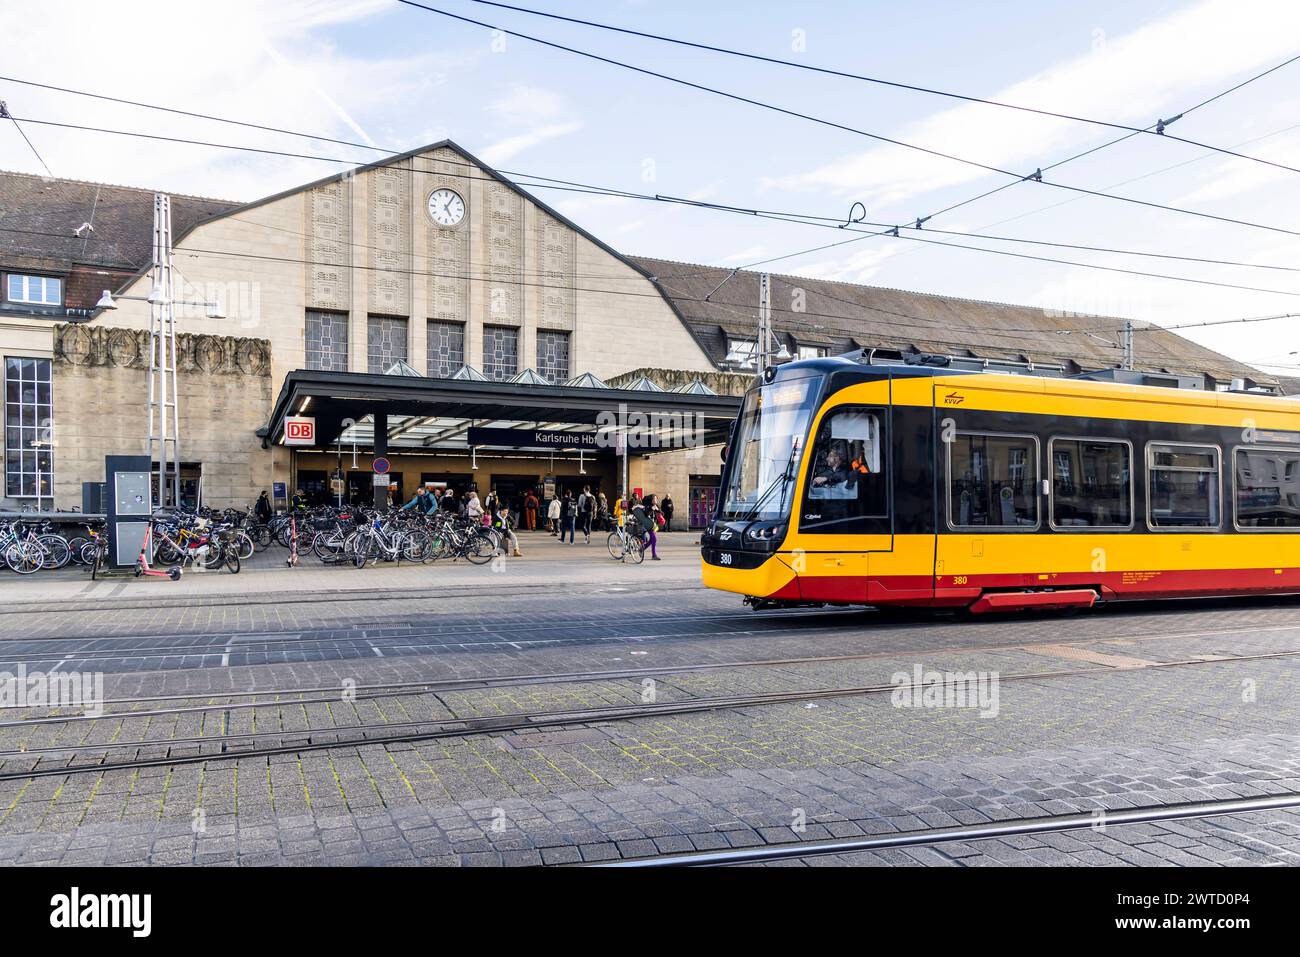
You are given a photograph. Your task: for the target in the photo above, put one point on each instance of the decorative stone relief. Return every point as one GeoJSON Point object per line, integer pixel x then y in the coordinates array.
{"type": "Point", "coordinates": [102, 346]}
{"type": "Point", "coordinates": [502, 243]}
{"type": "Point", "coordinates": [556, 255]}
{"type": "Point", "coordinates": [327, 245]}
{"type": "Point", "coordinates": [388, 211]}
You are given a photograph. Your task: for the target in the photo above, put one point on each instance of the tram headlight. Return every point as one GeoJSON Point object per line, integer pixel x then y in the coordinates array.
{"type": "Point", "coordinates": [770, 533]}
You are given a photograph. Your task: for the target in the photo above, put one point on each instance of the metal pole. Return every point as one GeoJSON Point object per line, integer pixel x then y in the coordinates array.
{"type": "Point", "coordinates": [1128, 343]}
{"type": "Point", "coordinates": [764, 321]}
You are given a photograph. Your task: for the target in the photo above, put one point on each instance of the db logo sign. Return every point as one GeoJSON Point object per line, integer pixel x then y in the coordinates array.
{"type": "Point", "coordinates": [299, 430]}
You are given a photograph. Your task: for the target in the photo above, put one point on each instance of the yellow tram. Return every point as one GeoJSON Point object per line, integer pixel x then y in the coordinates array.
{"type": "Point", "coordinates": [848, 482]}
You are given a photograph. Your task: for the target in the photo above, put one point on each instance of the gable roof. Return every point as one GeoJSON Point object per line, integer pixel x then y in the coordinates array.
{"type": "Point", "coordinates": [844, 316]}
{"type": "Point", "coordinates": [39, 217]}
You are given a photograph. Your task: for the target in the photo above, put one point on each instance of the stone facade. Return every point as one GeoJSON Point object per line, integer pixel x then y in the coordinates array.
{"type": "Point", "coordinates": [100, 377]}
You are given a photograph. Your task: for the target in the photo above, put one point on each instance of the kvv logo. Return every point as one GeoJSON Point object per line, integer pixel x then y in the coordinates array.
{"type": "Point", "coordinates": [649, 430]}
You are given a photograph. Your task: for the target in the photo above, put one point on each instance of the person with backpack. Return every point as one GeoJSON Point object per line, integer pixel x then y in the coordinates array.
{"type": "Point", "coordinates": [530, 511]}
{"type": "Point", "coordinates": [649, 517]}
{"type": "Point", "coordinates": [568, 516]}
{"type": "Point", "coordinates": [586, 510]}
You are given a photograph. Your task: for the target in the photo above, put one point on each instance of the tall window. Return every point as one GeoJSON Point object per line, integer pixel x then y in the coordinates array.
{"type": "Point", "coordinates": [34, 290]}
{"type": "Point", "coordinates": [553, 355]}
{"type": "Point", "coordinates": [1184, 485]}
{"type": "Point", "coordinates": [1268, 488]}
{"type": "Point", "coordinates": [327, 341]}
{"type": "Point", "coordinates": [993, 480]}
{"type": "Point", "coordinates": [385, 342]}
{"type": "Point", "coordinates": [500, 352]}
{"type": "Point", "coordinates": [1092, 485]}
{"type": "Point", "coordinates": [29, 467]}
{"type": "Point", "coordinates": [446, 342]}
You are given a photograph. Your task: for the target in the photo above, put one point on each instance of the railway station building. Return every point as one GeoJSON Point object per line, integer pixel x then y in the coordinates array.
{"type": "Point", "coordinates": [427, 311]}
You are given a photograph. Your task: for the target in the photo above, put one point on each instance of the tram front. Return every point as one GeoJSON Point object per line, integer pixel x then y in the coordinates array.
{"type": "Point", "coordinates": [741, 548]}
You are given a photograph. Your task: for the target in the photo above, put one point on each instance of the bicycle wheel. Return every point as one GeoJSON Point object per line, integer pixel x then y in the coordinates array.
{"type": "Point", "coordinates": [95, 559]}
{"type": "Point", "coordinates": [615, 545]}
{"type": "Point", "coordinates": [480, 549]}
{"type": "Point", "coordinates": [75, 545]}
{"type": "Point", "coordinates": [244, 542]}
{"type": "Point", "coordinates": [261, 536]}
{"type": "Point", "coordinates": [232, 559]}
{"type": "Point", "coordinates": [635, 551]}
{"type": "Point", "coordinates": [55, 551]}
{"type": "Point", "coordinates": [417, 546]}
{"type": "Point", "coordinates": [166, 554]}
{"type": "Point", "coordinates": [23, 557]}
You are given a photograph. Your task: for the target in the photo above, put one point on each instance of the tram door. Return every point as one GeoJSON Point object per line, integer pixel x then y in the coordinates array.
{"type": "Point", "coordinates": [845, 515]}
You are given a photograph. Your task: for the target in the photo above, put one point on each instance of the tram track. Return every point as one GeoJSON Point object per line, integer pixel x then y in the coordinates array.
{"type": "Point", "coordinates": [421, 730]}
{"type": "Point", "coordinates": [931, 837]}
{"type": "Point", "coordinates": [430, 686]}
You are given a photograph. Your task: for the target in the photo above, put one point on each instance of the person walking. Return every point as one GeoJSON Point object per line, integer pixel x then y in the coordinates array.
{"type": "Point", "coordinates": [586, 511]}
{"type": "Point", "coordinates": [503, 523]}
{"type": "Point", "coordinates": [602, 513]}
{"type": "Point", "coordinates": [648, 515]}
{"type": "Point", "coordinates": [530, 511]}
{"type": "Point", "coordinates": [553, 515]}
{"type": "Point", "coordinates": [667, 509]}
{"type": "Point", "coordinates": [568, 516]}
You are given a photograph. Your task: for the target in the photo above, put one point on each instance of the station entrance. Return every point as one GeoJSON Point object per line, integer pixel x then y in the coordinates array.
{"type": "Point", "coordinates": [468, 434]}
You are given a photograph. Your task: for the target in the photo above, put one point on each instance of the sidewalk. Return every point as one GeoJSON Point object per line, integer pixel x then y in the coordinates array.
{"type": "Point", "coordinates": [545, 564]}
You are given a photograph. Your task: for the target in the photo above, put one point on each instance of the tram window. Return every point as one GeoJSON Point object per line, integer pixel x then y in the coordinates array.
{"type": "Point", "coordinates": [1092, 483]}
{"type": "Point", "coordinates": [1268, 488]}
{"type": "Point", "coordinates": [993, 480]}
{"type": "Point", "coordinates": [1184, 485]}
{"type": "Point", "coordinates": [846, 479]}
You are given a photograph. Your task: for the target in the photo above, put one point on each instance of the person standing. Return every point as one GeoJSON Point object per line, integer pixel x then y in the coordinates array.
{"type": "Point", "coordinates": [568, 516]}
{"type": "Point", "coordinates": [262, 509]}
{"type": "Point", "coordinates": [602, 513]}
{"type": "Point", "coordinates": [448, 503]}
{"type": "Point", "coordinates": [474, 508]}
{"type": "Point", "coordinates": [667, 509]}
{"type": "Point", "coordinates": [530, 511]}
{"type": "Point", "coordinates": [553, 515]}
{"type": "Point", "coordinates": [420, 502]}
{"type": "Point", "coordinates": [299, 501]}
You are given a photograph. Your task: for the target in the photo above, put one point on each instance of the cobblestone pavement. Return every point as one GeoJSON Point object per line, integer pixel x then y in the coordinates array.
{"type": "Point", "coordinates": [1133, 706]}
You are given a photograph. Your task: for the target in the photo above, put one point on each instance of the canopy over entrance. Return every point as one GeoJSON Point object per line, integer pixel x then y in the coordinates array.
{"type": "Point", "coordinates": [418, 413]}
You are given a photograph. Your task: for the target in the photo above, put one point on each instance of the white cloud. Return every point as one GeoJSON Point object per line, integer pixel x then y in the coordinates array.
{"type": "Point", "coordinates": [511, 146]}
{"type": "Point", "coordinates": [1131, 79]}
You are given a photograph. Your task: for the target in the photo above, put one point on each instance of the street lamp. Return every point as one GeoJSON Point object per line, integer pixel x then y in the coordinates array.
{"type": "Point", "coordinates": [157, 296]}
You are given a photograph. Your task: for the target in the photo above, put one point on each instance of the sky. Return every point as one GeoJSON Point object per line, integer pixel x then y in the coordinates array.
{"type": "Point", "coordinates": [396, 77]}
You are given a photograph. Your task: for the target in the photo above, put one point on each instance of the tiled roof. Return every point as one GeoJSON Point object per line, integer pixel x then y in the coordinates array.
{"type": "Point", "coordinates": [39, 218]}
{"type": "Point", "coordinates": [843, 316]}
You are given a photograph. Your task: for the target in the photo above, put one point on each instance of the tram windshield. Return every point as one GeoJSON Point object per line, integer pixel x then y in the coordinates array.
{"type": "Point", "coordinates": [763, 461]}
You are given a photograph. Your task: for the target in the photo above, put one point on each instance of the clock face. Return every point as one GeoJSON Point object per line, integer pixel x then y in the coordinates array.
{"type": "Point", "coordinates": [446, 208]}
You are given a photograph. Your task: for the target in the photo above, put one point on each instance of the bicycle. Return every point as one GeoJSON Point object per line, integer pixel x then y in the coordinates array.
{"type": "Point", "coordinates": [624, 547]}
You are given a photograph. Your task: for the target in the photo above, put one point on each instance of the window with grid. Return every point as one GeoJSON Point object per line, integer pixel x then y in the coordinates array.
{"type": "Point", "coordinates": [553, 355]}
{"type": "Point", "coordinates": [500, 352]}
{"type": "Point", "coordinates": [327, 341]}
{"type": "Point", "coordinates": [385, 342]}
{"type": "Point", "coordinates": [446, 347]}
{"type": "Point", "coordinates": [29, 466]}
{"type": "Point", "coordinates": [34, 290]}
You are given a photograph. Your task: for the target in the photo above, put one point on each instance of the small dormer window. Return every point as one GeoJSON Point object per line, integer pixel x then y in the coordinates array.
{"type": "Point", "coordinates": [812, 352]}
{"type": "Point", "coordinates": [34, 290]}
{"type": "Point", "coordinates": [743, 352]}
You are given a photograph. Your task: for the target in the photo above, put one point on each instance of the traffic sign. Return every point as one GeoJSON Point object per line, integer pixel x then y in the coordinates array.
{"type": "Point", "coordinates": [381, 466]}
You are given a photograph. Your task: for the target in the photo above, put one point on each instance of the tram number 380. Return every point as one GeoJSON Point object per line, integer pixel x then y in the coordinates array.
{"type": "Point", "coordinates": [724, 558]}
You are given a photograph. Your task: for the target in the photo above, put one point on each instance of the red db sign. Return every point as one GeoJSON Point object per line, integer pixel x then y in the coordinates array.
{"type": "Point", "coordinates": [299, 430]}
